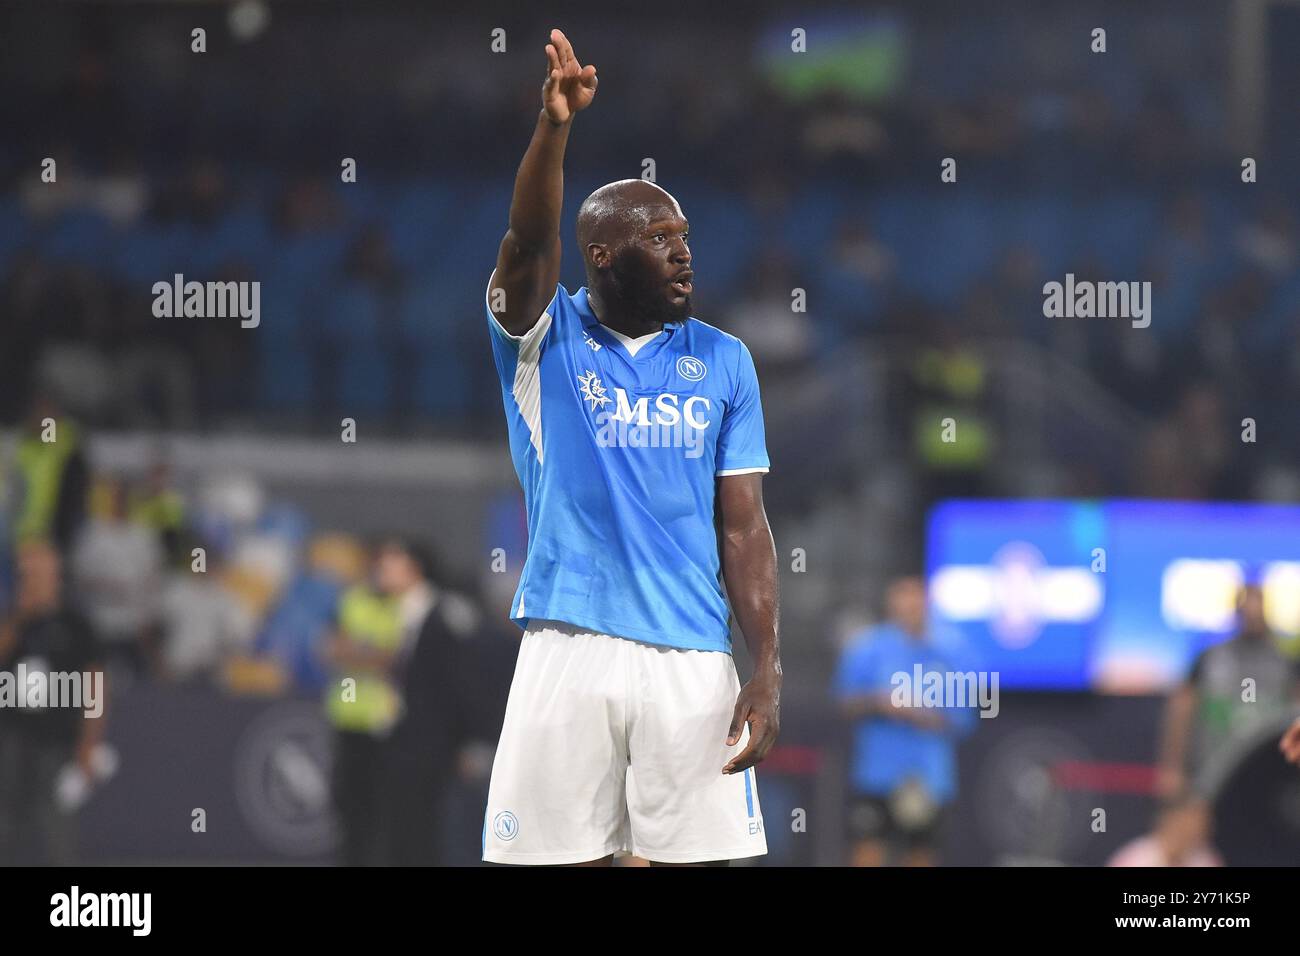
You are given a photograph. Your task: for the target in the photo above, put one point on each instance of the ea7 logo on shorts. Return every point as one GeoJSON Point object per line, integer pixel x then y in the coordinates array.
{"type": "Point", "coordinates": [691, 368]}
{"type": "Point", "coordinates": [505, 825]}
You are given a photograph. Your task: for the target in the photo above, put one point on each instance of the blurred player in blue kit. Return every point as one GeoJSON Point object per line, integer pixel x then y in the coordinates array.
{"type": "Point", "coordinates": [903, 772]}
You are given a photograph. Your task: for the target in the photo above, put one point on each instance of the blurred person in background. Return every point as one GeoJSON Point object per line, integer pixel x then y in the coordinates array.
{"type": "Point", "coordinates": [437, 684]}
{"type": "Point", "coordinates": [301, 621]}
{"type": "Point", "coordinates": [855, 281]}
{"type": "Point", "coordinates": [949, 383]}
{"type": "Point", "coordinates": [1184, 261]}
{"type": "Point", "coordinates": [781, 339]}
{"type": "Point", "coordinates": [38, 744]}
{"type": "Point", "coordinates": [50, 477]}
{"type": "Point", "coordinates": [1210, 714]}
{"type": "Point", "coordinates": [157, 505]}
{"type": "Point", "coordinates": [117, 568]}
{"type": "Point", "coordinates": [1190, 453]}
{"type": "Point", "coordinates": [1267, 240]}
{"type": "Point", "coordinates": [903, 768]}
{"type": "Point", "coordinates": [202, 622]}
{"type": "Point", "coordinates": [1182, 837]}
{"type": "Point", "coordinates": [363, 704]}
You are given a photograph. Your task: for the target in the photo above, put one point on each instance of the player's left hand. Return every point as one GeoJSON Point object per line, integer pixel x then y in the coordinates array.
{"type": "Point", "coordinates": [759, 705]}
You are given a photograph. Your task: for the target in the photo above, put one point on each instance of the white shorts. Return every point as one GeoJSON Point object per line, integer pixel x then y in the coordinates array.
{"type": "Point", "coordinates": [611, 744]}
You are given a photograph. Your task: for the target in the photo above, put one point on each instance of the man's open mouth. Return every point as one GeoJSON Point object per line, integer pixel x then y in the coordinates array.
{"type": "Point", "coordinates": [682, 284]}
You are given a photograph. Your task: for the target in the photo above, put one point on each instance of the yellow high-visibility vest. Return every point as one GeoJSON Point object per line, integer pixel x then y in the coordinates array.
{"type": "Point", "coordinates": [370, 618]}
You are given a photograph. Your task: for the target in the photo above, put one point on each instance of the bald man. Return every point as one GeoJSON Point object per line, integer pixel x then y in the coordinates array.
{"type": "Point", "coordinates": [637, 434]}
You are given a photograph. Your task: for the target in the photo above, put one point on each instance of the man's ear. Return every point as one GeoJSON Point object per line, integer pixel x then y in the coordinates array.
{"type": "Point", "coordinates": [598, 255]}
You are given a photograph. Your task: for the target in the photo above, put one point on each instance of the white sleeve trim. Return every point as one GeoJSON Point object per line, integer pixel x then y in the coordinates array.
{"type": "Point", "coordinates": [521, 340]}
{"type": "Point", "coordinates": [527, 388]}
{"type": "Point", "coordinates": [761, 469]}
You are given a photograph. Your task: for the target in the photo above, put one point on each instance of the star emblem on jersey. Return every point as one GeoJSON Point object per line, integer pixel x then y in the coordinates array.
{"type": "Point", "coordinates": [592, 390]}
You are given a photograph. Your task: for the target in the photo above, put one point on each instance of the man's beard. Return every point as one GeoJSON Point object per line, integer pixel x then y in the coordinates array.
{"type": "Point", "coordinates": [645, 300]}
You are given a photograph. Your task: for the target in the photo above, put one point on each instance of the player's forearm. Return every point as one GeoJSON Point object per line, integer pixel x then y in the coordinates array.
{"type": "Point", "coordinates": [749, 570]}
{"type": "Point", "coordinates": [539, 187]}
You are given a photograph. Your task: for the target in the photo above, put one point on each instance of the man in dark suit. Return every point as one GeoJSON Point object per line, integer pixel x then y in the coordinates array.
{"type": "Point", "coordinates": [441, 708]}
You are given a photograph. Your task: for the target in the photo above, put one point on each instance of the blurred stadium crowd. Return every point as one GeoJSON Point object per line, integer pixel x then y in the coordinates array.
{"type": "Point", "coordinates": [369, 288]}
{"type": "Point", "coordinates": [923, 299]}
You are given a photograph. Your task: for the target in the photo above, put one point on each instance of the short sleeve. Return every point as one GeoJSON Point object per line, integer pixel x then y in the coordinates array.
{"type": "Point", "coordinates": [515, 345]}
{"type": "Point", "coordinates": [742, 444]}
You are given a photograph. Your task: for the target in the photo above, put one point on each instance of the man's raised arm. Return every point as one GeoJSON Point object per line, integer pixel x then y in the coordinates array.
{"type": "Point", "coordinates": [528, 265]}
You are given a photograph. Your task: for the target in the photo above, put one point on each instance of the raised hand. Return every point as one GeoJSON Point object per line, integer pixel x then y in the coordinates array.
{"type": "Point", "coordinates": [569, 86]}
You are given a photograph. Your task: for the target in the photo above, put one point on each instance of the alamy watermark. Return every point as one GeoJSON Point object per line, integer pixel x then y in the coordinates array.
{"type": "Point", "coordinates": [923, 688]}
{"type": "Point", "coordinates": [133, 911]}
{"type": "Point", "coordinates": [212, 300]}
{"type": "Point", "coordinates": [1102, 300]}
{"type": "Point", "coordinates": [615, 432]}
{"type": "Point", "coordinates": [32, 688]}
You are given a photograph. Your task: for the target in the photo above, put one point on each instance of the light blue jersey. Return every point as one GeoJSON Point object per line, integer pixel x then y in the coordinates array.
{"type": "Point", "coordinates": [887, 752]}
{"type": "Point", "coordinates": [617, 454]}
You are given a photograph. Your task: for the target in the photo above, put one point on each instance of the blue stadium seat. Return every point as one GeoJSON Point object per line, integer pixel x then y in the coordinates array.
{"type": "Point", "coordinates": [1044, 224]}
{"type": "Point", "coordinates": [365, 380]}
{"type": "Point", "coordinates": [423, 223]}
{"type": "Point", "coordinates": [351, 315]}
{"type": "Point", "coordinates": [1118, 231]}
{"type": "Point", "coordinates": [152, 253]}
{"type": "Point", "coordinates": [941, 244]}
{"type": "Point", "coordinates": [423, 318]}
{"type": "Point", "coordinates": [437, 321]}
{"type": "Point", "coordinates": [814, 217]}
{"type": "Point", "coordinates": [80, 237]}
{"type": "Point", "coordinates": [244, 236]}
{"type": "Point", "coordinates": [283, 377]}
{"type": "Point", "coordinates": [724, 239]}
